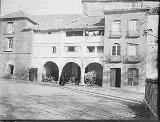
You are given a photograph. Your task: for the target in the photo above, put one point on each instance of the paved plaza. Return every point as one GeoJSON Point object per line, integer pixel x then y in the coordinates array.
{"type": "Point", "coordinates": [27, 100]}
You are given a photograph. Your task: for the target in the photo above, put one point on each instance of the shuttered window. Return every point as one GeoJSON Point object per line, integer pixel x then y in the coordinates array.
{"type": "Point", "coordinates": [133, 76]}
{"type": "Point", "coordinates": [10, 27]}
{"type": "Point", "coordinates": [116, 26]}
{"type": "Point", "coordinates": [133, 25]}
{"type": "Point", "coordinates": [116, 49]}
{"type": "Point", "coordinates": [132, 49]}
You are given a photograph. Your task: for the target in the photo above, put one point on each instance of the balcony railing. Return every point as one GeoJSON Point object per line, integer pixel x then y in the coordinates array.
{"type": "Point", "coordinates": [113, 59]}
{"type": "Point", "coordinates": [7, 35]}
{"type": "Point", "coordinates": [93, 38]}
{"type": "Point", "coordinates": [131, 59]}
{"type": "Point", "coordinates": [115, 34]}
{"type": "Point", "coordinates": [133, 34]}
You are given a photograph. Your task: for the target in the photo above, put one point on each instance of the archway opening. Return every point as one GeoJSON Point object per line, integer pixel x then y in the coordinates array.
{"type": "Point", "coordinates": [52, 70]}
{"type": "Point", "coordinates": [94, 74]}
{"type": "Point", "coordinates": [71, 73]}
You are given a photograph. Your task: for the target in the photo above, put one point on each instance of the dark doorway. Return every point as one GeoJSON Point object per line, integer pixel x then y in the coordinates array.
{"type": "Point", "coordinates": [115, 77]}
{"type": "Point", "coordinates": [11, 68]}
{"type": "Point", "coordinates": [91, 70]}
{"type": "Point", "coordinates": [52, 70]}
{"type": "Point", "coordinates": [33, 74]}
{"type": "Point", "coordinates": [71, 73]}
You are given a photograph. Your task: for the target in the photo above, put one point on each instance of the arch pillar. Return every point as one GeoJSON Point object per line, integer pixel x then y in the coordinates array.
{"type": "Point", "coordinates": [60, 72]}
{"type": "Point", "coordinates": [82, 76]}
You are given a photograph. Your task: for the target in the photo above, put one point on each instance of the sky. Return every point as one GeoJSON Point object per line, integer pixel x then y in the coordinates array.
{"type": "Point", "coordinates": [42, 7]}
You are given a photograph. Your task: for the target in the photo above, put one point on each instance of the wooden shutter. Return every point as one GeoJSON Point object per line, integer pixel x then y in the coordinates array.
{"type": "Point", "coordinates": [113, 50]}
{"type": "Point", "coordinates": [118, 49]}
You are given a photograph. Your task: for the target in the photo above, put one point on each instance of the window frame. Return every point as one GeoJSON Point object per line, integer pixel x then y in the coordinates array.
{"type": "Point", "coordinates": [54, 49]}
{"type": "Point", "coordinates": [116, 45]}
{"type": "Point", "coordinates": [114, 23]}
{"type": "Point", "coordinates": [132, 78]}
{"type": "Point", "coordinates": [8, 47]}
{"type": "Point", "coordinates": [88, 50]}
{"type": "Point", "coordinates": [135, 51]}
{"type": "Point", "coordinates": [9, 28]}
{"type": "Point", "coordinates": [136, 28]}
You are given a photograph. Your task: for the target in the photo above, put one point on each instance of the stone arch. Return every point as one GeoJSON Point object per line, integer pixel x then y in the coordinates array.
{"type": "Point", "coordinates": [52, 69]}
{"type": "Point", "coordinates": [98, 68]}
{"type": "Point", "coordinates": [71, 72]}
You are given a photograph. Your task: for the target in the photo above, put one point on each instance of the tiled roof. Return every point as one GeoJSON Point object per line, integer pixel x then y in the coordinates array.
{"type": "Point", "coordinates": [60, 22]}
{"type": "Point", "coordinates": [17, 14]}
{"type": "Point", "coordinates": [114, 11]}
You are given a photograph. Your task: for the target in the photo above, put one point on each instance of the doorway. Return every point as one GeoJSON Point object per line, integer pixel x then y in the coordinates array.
{"type": "Point", "coordinates": [115, 77]}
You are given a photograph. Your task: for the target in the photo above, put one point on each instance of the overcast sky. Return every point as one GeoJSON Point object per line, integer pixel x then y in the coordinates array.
{"type": "Point", "coordinates": [43, 6]}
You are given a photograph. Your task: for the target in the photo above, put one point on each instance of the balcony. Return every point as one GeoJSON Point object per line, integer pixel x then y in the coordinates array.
{"type": "Point", "coordinates": [73, 39]}
{"type": "Point", "coordinates": [133, 34]}
{"type": "Point", "coordinates": [9, 35]}
{"type": "Point", "coordinates": [93, 38]}
{"type": "Point", "coordinates": [115, 34]}
{"type": "Point", "coordinates": [113, 59]}
{"type": "Point", "coordinates": [131, 59]}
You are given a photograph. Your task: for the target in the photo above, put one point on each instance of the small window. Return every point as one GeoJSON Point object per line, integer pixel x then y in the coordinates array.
{"type": "Point", "coordinates": [133, 76]}
{"type": "Point", "coordinates": [54, 49]}
{"type": "Point", "coordinates": [71, 49]}
{"type": "Point", "coordinates": [116, 26]}
{"type": "Point", "coordinates": [116, 49]}
{"type": "Point", "coordinates": [133, 25]}
{"type": "Point", "coordinates": [100, 49]}
{"type": "Point", "coordinates": [74, 33]}
{"type": "Point", "coordinates": [8, 45]}
{"type": "Point", "coordinates": [91, 49]}
{"type": "Point", "coordinates": [9, 27]}
{"type": "Point", "coordinates": [132, 49]}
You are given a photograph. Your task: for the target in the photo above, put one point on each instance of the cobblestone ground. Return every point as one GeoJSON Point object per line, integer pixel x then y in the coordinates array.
{"type": "Point", "coordinates": [20, 100]}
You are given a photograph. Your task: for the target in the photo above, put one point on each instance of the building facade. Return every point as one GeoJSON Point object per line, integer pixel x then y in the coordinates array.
{"type": "Point", "coordinates": [111, 45]}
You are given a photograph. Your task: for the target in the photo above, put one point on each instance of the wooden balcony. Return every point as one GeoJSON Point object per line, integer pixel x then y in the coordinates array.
{"type": "Point", "coordinates": [115, 34]}
{"type": "Point", "coordinates": [133, 34]}
{"type": "Point", "coordinates": [131, 59]}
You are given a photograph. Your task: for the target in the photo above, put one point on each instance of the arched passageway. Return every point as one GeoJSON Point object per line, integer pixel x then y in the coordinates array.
{"type": "Point", "coordinates": [94, 70]}
{"type": "Point", "coordinates": [71, 73]}
{"type": "Point", "coordinates": [52, 70]}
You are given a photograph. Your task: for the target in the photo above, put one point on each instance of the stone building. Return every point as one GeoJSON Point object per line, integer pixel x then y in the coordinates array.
{"type": "Point", "coordinates": [72, 45]}
{"type": "Point", "coordinates": [125, 48]}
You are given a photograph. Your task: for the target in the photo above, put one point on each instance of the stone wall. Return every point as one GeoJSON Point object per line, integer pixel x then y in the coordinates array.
{"type": "Point", "coordinates": [21, 51]}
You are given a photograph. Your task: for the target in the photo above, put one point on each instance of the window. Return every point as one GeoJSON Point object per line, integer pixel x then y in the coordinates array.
{"type": "Point", "coordinates": [71, 49]}
{"type": "Point", "coordinates": [132, 49]}
{"type": "Point", "coordinates": [116, 26]}
{"type": "Point", "coordinates": [100, 49]}
{"type": "Point", "coordinates": [74, 33]}
{"type": "Point", "coordinates": [91, 49]}
{"type": "Point", "coordinates": [116, 49]}
{"type": "Point", "coordinates": [54, 49]}
{"type": "Point", "coordinates": [133, 25]}
{"type": "Point", "coordinates": [10, 27]}
{"type": "Point", "coordinates": [9, 45]}
{"type": "Point", "coordinates": [133, 75]}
